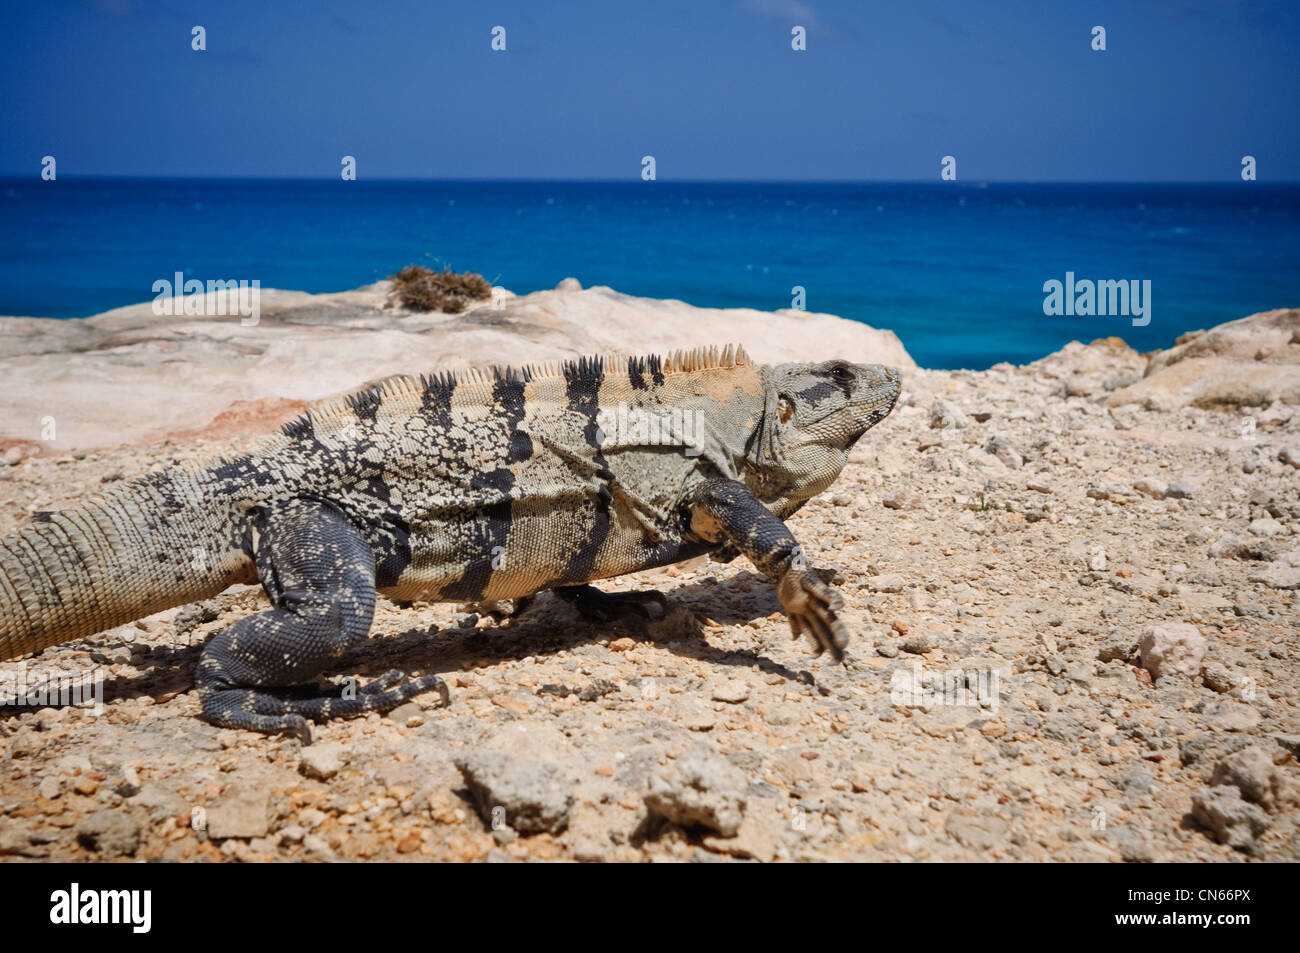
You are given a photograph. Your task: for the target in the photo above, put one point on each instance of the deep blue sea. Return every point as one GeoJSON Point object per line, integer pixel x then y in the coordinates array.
{"type": "Point", "coordinates": [957, 270]}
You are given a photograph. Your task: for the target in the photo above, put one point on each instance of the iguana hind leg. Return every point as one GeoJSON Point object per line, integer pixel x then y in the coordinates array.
{"type": "Point", "coordinates": [320, 576]}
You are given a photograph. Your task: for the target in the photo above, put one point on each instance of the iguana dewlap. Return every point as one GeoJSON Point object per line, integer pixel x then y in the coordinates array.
{"type": "Point", "coordinates": [466, 486]}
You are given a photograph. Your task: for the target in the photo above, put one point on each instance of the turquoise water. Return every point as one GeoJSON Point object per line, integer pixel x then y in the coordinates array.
{"type": "Point", "coordinates": [956, 270]}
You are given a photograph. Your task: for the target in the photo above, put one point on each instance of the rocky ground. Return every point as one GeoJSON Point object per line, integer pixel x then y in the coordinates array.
{"type": "Point", "coordinates": [1073, 589]}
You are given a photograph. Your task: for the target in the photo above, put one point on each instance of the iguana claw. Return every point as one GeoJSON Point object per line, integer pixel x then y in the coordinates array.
{"type": "Point", "coordinates": [813, 607]}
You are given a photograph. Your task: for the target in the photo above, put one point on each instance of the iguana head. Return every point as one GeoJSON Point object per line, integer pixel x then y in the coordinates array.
{"type": "Point", "coordinates": [813, 415]}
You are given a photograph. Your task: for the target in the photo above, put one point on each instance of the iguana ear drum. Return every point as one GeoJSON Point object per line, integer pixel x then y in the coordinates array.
{"type": "Point", "coordinates": [785, 409]}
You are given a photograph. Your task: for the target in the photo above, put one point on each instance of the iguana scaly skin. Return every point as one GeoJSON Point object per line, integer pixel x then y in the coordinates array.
{"type": "Point", "coordinates": [466, 486]}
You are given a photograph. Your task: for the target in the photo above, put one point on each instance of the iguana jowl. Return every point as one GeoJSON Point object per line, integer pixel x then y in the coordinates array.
{"type": "Point", "coordinates": [465, 486]}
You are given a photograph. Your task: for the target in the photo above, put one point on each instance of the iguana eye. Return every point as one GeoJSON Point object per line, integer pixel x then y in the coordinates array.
{"type": "Point", "coordinates": [842, 374]}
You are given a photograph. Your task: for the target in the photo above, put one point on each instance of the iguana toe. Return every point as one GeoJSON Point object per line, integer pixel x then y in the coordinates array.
{"type": "Point", "coordinates": [813, 609]}
{"type": "Point", "coordinates": [383, 682]}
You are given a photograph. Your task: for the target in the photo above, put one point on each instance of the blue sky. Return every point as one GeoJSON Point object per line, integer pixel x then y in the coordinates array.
{"type": "Point", "coordinates": [711, 89]}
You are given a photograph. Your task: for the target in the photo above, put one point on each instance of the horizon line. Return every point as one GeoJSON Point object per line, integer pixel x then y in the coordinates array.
{"type": "Point", "coordinates": [11, 177]}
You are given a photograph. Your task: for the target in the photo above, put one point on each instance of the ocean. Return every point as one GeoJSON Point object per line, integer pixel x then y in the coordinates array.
{"type": "Point", "coordinates": [957, 270]}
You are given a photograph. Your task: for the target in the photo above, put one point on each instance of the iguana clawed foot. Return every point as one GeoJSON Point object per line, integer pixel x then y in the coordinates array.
{"type": "Point", "coordinates": [286, 710]}
{"type": "Point", "coordinates": [595, 605]}
{"type": "Point", "coordinates": [812, 607]}
{"type": "Point", "coordinates": [499, 610]}
{"type": "Point", "coordinates": [395, 687]}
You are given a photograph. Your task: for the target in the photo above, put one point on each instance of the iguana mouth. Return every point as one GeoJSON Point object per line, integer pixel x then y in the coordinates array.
{"type": "Point", "coordinates": [880, 401]}
{"type": "Point", "coordinates": [883, 404]}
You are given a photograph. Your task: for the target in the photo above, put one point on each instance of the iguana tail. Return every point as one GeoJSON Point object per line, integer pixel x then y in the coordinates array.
{"type": "Point", "coordinates": [143, 546]}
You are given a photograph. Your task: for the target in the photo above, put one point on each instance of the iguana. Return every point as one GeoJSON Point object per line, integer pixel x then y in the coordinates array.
{"type": "Point", "coordinates": [460, 486]}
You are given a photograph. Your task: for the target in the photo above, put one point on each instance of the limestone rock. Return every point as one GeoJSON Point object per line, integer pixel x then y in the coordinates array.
{"type": "Point", "coordinates": [703, 788]}
{"type": "Point", "coordinates": [1172, 647]}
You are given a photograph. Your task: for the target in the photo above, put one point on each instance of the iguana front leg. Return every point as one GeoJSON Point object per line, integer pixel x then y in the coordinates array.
{"type": "Point", "coordinates": [727, 510]}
